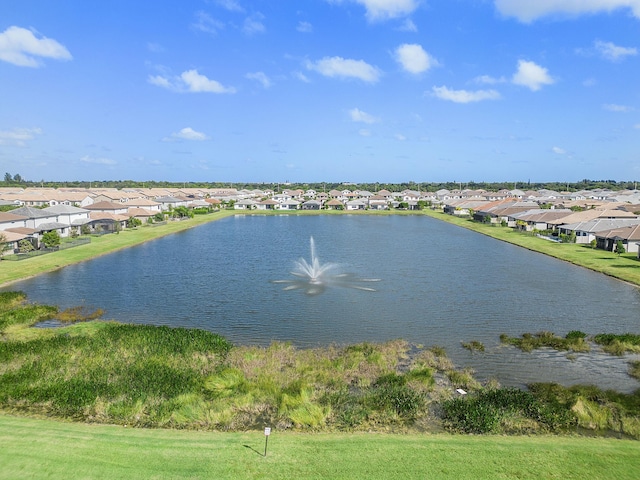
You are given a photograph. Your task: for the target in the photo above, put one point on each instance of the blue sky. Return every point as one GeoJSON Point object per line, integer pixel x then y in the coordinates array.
{"type": "Point", "coordinates": [320, 90]}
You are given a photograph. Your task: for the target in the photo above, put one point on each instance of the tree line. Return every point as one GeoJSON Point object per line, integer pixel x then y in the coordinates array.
{"type": "Point", "coordinates": [16, 180]}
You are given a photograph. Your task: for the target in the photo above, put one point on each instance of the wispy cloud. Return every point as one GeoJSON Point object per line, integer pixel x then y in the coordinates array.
{"type": "Point", "coordinates": [254, 25]}
{"type": "Point", "coordinates": [529, 10]}
{"type": "Point", "coordinates": [614, 53]}
{"type": "Point", "coordinates": [464, 96]}
{"type": "Point", "coordinates": [260, 77]}
{"type": "Point", "coordinates": [558, 150]}
{"type": "Point", "coordinates": [378, 10]}
{"type": "Point", "coordinates": [206, 23]}
{"type": "Point", "coordinates": [18, 137]}
{"type": "Point", "coordinates": [358, 115]}
{"type": "Point", "coordinates": [187, 133]}
{"type": "Point", "coordinates": [189, 81]}
{"type": "Point", "coordinates": [612, 107]}
{"type": "Point", "coordinates": [98, 160]}
{"type": "Point", "coordinates": [304, 27]}
{"type": "Point", "coordinates": [489, 80]}
{"type": "Point", "coordinates": [531, 75]}
{"type": "Point", "coordinates": [231, 5]}
{"type": "Point", "coordinates": [345, 68]}
{"type": "Point", "coordinates": [414, 59]}
{"type": "Point", "coordinates": [23, 48]}
{"type": "Point", "coordinates": [408, 26]}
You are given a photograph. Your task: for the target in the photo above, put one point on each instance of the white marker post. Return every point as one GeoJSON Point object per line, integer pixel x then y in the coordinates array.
{"type": "Point", "coordinates": [267, 432]}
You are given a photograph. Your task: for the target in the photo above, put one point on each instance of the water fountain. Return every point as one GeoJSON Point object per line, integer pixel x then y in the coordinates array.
{"type": "Point", "coordinates": [314, 277]}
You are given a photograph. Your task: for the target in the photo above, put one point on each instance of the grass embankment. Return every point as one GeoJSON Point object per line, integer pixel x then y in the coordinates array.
{"type": "Point", "coordinates": [624, 267]}
{"type": "Point", "coordinates": [33, 448]}
{"type": "Point", "coordinates": [11, 271]}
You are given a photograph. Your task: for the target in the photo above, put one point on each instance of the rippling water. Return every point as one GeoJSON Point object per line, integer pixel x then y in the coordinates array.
{"type": "Point", "coordinates": [439, 285]}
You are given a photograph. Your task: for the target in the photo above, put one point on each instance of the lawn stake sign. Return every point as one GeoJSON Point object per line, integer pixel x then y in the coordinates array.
{"type": "Point", "coordinates": [267, 432]}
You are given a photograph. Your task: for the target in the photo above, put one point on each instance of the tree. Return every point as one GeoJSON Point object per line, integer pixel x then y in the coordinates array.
{"type": "Point", "coordinates": [133, 222]}
{"type": "Point", "coordinates": [51, 239]}
{"type": "Point", "coordinates": [7, 177]}
{"type": "Point", "coordinates": [4, 244]}
{"type": "Point", "coordinates": [17, 178]}
{"type": "Point", "coordinates": [593, 243]}
{"type": "Point", "coordinates": [25, 246]}
{"type": "Point", "coordinates": [619, 247]}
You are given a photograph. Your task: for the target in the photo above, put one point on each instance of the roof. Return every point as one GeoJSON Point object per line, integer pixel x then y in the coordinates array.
{"type": "Point", "coordinates": [106, 206]}
{"type": "Point", "coordinates": [64, 209]}
{"type": "Point", "coordinates": [51, 226]}
{"type": "Point", "coordinates": [6, 217]}
{"type": "Point", "coordinates": [631, 232]}
{"type": "Point", "coordinates": [31, 212]}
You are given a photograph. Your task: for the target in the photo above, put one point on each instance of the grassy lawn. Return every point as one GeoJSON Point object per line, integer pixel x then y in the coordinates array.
{"type": "Point", "coordinates": [35, 448]}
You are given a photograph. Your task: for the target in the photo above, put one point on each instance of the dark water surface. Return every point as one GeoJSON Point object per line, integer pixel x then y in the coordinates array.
{"type": "Point", "coordinates": [440, 285]}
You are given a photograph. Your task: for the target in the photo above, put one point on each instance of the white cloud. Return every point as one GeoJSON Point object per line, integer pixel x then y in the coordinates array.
{"type": "Point", "coordinates": [529, 10]}
{"type": "Point", "coordinates": [400, 137]}
{"type": "Point", "coordinates": [345, 68]}
{"type": "Point", "coordinates": [464, 96]}
{"type": "Point", "coordinates": [489, 80]}
{"type": "Point", "coordinates": [18, 137]}
{"type": "Point", "coordinates": [612, 107]}
{"type": "Point", "coordinates": [558, 150]}
{"type": "Point", "coordinates": [21, 47]}
{"type": "Point", "coordinates": [304, 27]}
{"type": "Point", "coordinates": [414, 59]}
{"type": "Point", "coordinates": [612, 52]}
{"type": "Point", "coordinates": [98, 161]}
{"type": "Point", "coordinates": [358, 115]}
{"type": "Point", "coordinates": [231, 5]}
{"type": "Point", "coordinates": [253, 24]}
{"type": "Point", "coordinates": [408, 26]}
{"type": "Point", "coordinates": [259, 77]}
{"type": "Point", "coordinates": [363, 132]}
{"type": "Point", "coordinates": [155, 47]}
{"type": "Point", "coordinates": [206, 23]}
{"type": "Point", "coordinates": [531, 75]}
{"type": "Point", "coordinates": [187, 133]}
{"type": "Point", "coordinates": [189, 81]}
{"type": "Point", "coordinates": [387, 9]}
{"type": "Point", "coordinates": [637, 126]}
{"type": "Point", "coordinates": [590, 82]}
{"type": "Point", "coordinates": [302, 77]}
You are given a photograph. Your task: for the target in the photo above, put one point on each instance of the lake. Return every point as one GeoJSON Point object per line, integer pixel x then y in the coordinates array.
{"type": "Point", "coordinates": [439, 285]}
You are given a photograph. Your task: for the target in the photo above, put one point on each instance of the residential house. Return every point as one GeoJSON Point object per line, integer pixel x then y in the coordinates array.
{"type": "Point", "coordinates": [356, 205]}
{"type": "Point", "coordinates": [245, 204]}
{"type": "Point", "coordinates": [585, 232]}
{"type": "Point", "coordinates": [109, 207]}
{"type": "Point", "coordinates": [311, 205]}
{"type": "Point", "coordinates": [268, 204]}
{"type": "Point", "coordinates": [629, 236]}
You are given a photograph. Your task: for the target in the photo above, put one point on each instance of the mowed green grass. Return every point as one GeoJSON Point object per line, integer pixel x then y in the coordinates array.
{"type": "Point", "coordinates": [36, 448]}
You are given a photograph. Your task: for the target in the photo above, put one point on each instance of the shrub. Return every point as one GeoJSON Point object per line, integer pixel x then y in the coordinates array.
{"type": "Point", "coordinates": [504, 410]}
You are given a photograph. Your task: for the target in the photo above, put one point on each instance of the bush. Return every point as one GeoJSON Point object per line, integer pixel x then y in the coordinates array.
{"type": "Point", "coordinates": [504, 410]}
